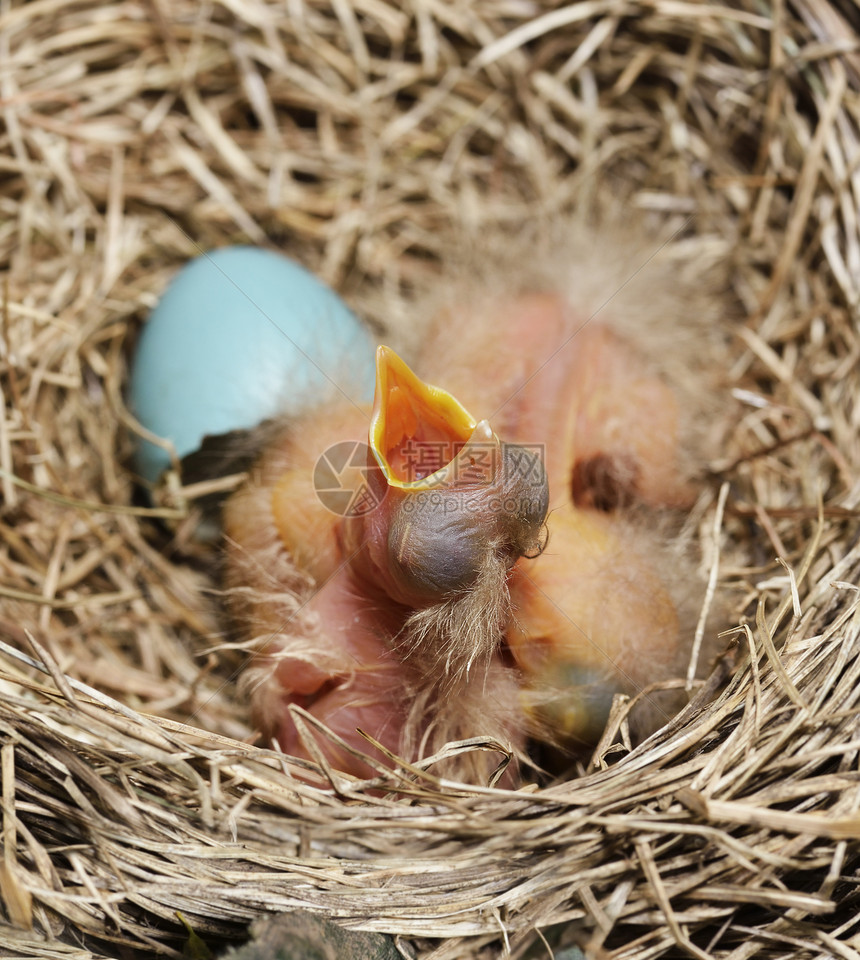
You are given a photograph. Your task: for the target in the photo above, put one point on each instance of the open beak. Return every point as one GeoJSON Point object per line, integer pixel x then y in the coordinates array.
{"type": "Point", "coordinates": [455, 504]}
{"type": "Point", "coordinates": [417, 431]}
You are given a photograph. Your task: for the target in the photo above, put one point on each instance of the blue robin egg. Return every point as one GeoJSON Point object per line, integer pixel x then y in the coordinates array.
{"type": "Point", "coordinates": [242, 335]}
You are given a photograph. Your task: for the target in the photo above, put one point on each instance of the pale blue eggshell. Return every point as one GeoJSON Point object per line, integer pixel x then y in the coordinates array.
{"type": "Point", "coordinates": [242, 335]}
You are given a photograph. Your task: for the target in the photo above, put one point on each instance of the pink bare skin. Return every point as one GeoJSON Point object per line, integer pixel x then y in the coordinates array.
{"type": "Point", "coordinates": [329, 606]}
{"type": "Point", "coordinates": [570, 384]}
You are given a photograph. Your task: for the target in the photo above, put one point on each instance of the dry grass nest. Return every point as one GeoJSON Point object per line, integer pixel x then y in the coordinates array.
{"type": "Point", "coordinates": [353, 135]}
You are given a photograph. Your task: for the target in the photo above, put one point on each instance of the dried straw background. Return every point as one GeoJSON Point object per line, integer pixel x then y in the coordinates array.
{"type": "Point", "coordinates": [353, 134]}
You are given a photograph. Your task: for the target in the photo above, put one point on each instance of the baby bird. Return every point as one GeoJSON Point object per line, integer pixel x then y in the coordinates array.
{"type": "Point", "coordinates": [491, 578]}
{"type": "Point", "coordinates": [390, 618]}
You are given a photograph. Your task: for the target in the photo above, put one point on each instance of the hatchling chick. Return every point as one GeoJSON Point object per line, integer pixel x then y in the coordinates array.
{"type": "Point", "coordinates": [502, 569]}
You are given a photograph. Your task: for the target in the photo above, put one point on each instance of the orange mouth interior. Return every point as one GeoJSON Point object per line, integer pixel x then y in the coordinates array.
{"type": "Point", "coordinates": [416, 429]}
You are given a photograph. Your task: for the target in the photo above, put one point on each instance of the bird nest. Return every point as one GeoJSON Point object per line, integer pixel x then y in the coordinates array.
{"type": "Point", "coordinates": [356, 135]}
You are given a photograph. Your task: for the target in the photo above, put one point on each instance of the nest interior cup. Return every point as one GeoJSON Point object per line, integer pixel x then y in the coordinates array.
{"type": "Point", "coordinates": [384, 146]}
